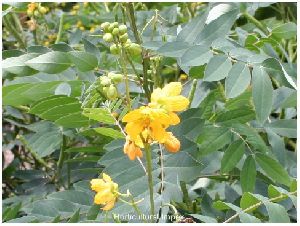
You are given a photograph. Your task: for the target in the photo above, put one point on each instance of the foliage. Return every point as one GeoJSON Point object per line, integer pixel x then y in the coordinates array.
{"type": "Point", "coordinates": [67, 84]}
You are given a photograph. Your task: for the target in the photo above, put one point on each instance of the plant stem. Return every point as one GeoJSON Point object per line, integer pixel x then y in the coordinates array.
{"type": "Point", "coordinates": [256, 22]}
{"type": "Point", "coordinates": [11, 28]}
{"type": "Point", "coordinates": [60, 28]}
{"type": "Point", "coordinates": [145, 60]}
{"type": "Point", "coordinates": [150, 179]}
{"type": "Point", "coordinates": [257, 205]}
{"type": "Point", "coordinates": [192, 92]}
{"type": "Point", "coordinates": [62, 156]}
{"type": "Point", "coordinates": [123, 63]}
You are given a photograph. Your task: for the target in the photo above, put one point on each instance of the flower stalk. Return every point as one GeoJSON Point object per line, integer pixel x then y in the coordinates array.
{"type": "Point", "coordinates": [150, 179]}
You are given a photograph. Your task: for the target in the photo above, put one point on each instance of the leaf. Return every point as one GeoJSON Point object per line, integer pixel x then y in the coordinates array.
{"type": "Point", "coordinates": [285, 31]}
{"type": "Point", "coordinates": [284, 127]}
{"type": "Point", "coordinates": [196, 56]}
{"type": "Point", "coordinates": [75, 217]}
{"type": "Point", "coordinates": [232, 156]}
{"type": "Point", "coordinates": [238, 80]}
{"type": "Point", "coordinates": [212, 139]}
{"type": "Point", "coordinates": [192, 29]}
{"type": "Point", "coordinates": [249, 200]}
{"type": "Point", "coordinates": [91, 48]}
{"type": "Point", "coordinates": [89, 149]}
{"type": "Point", "coordinates": [62, 110]}
{"type": "Point", "coordinates": [45, 141]}
{"type": "Point", "coordinates": [217, 68]}
{"type": "Point", "coordinates": [235, 116]}
{"type": "Point", "coordinates": [83, 61]}
{"type": "Point", "coordinates": [217, 28]}
{"type": "Point", "coordinates": [109, 132]}
{"type": "Point", "coordinates": [277, 213]}
{"type": "Point", "coordinates": [252, 137]}
{"type": "Point", "coordinates": [273, 169]}
{"type": "Point", "coordinates": [74, 197]}
{"type": "Point", "coordinates": [205, 219]}
{"type": "Point", "coordinates": [12, 212]}
{"type": "Point", "coordinates": [52, 62]}
{"type": "Point", "coordinates": [28, 93]}
{"type": "Point", "coordinates": [99, 114]}
{"type": "Point", "coordinates": [173, 49]}
{"type": "Point", "coordinates": [63, 89]}
{"type": "Point", "coordinates": [16, 65]}
{"type": "Point", "coordinates": [262, 93]}
{"type": "Point", "coordinates": [248, 175]}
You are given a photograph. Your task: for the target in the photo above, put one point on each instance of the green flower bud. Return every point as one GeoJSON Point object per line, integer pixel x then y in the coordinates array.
{"type": "Point", "coordinates": [116, 78]}
{"type": "Point", "coordinates": [42, 10]}
{"type": "Point", "coordinates": [104, 26]}
{"type": "Point", "coordinates": [114, 49]}
{"type": "Point", "coordinates": [134, 49]}
{"type": "Point", "coordinates": [115, 24]}
{"type": "Point", "coordinates": [115, 31]}
{"type": "Point", "coordinates": [122, 29]}
{"type": "Point", "coordinates": [112, 92]}
{"type": "Point", "coordinates": [105, 81]}
{"type": "Point", "coordinates": [108, 37]}
{"type": "Point", "coordinates": [110, 28]}
{"type": "Point", "coordinates": [36, 13]}
{"type": "Point", "coordinates": [124, 38]}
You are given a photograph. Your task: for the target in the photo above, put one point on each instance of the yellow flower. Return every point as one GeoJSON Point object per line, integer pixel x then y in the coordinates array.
{"type": "Point", "coordinates": [132, 150]}
{"type": "Point", "coordinates": [31, 6]}
{"type": "Point", "coordinates": [150, 123]}
{"type": "Point", "coordinates": [172, 144]}
{"type": "Point", "coordinates": [107, 191]}
{"type": "Point", "coordinates": [169, 98]}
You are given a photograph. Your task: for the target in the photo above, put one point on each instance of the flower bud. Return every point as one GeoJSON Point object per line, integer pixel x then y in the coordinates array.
{"type": "Point", "coordinates": [115, 31]}
{"type": "Point", "coordinates": [112, 92]}
{"type": "Point", "coordinates": [42, 10]}
{"type": "Point", "coordinates": [114, 49]}
{"type": "Point", "coordinates": [122, 29]}
{"type": "Point", "coordinates": [104, 26]}
{"type": "Point", "coordinates": [105, 81]}
{"type": "Point", "coordinates": [124, 38]}
{"type": "Point", "coordinates": [172, 144]}
{"type": "Point", "coordinates": [115, 24]}
{"type": "Point", "coordinates": [134, 49]}
{"type": "Point", "coordinates": [108, 37]}
{"type": "Point", "coordinates": [36, 13]}
{"type": "Point", "coordinates": [110, 28]}
{"type": "Point", "coordinates": [116, 78]}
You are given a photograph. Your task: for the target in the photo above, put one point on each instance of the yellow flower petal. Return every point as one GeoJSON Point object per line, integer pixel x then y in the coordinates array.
{"type": "Point", "coordinates": [134, 129]}
{"type": "Point", "coordinates": [97, 185]}
{"type": "Point", "coordinates": [132, 116]}
{"type": "Point", "coordinates": [109, 205]}
{"type": "Point", "coordinates": [172, 89]}
{"type": "Point", "coordinates": [106, 178]}
{"type": "Point", "coordinates": [174, 118]}
{"type": "Point", "coordinates": [103, 196]}
{"type": "Point", "coordinates": [158, 133]}
{"type": "Point", "coordinates": [175, 103]}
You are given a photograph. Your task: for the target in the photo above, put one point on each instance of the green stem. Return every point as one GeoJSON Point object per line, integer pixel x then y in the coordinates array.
{"type": "Point", "coordinates": [150, 179]}
{"type": "Point", "coordinates": [145, 60]}
{"type": "Point", "coordinates": [123, 64]}
{"type": "Point", "coordinates": [192, 92]}
{"type": "Point", "coordinates": [60, 28]}
{"type": "Point", "coordinates": [62, 156]}
{"type": "Point", "coordinates": [34, 155]}
{"type": "Point", "coordinates": [256, 22]}
{"type": "Point", "coordinates": [11, 28]}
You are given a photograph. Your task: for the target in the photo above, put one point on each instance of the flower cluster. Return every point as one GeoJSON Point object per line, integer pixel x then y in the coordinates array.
{"type": "Point", "coordinates": [148, 124]}
{"type": "Point", "coordinates": [35, 9]}
{"type": "Point", "coordinates": [107, 191]}
{"type": "Point", "coordinates": [117, 34]}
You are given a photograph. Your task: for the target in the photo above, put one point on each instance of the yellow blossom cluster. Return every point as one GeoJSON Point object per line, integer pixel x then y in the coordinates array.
{"type": "Point", "coordinates": [107, 191]}
{"type": "Point", "coordinates": [148, 124]}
